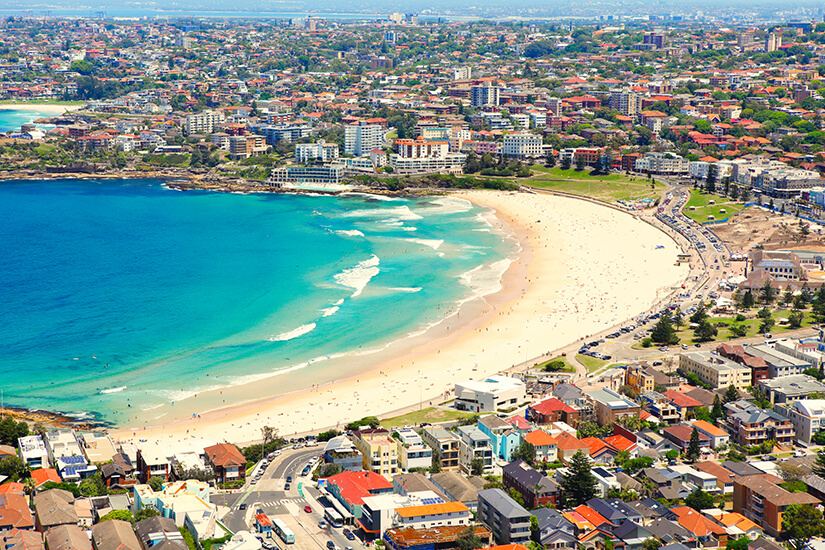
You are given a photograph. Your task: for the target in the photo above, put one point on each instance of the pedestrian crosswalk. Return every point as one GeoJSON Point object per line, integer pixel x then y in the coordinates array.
{"type": "Point", "coordinates": [274, 503]}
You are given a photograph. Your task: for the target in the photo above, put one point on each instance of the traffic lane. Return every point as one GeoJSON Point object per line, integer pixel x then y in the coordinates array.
{"type": "Point", "coordinates": [293, 464]}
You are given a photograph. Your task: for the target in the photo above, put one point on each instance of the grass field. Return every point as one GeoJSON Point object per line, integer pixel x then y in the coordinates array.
{"type": "Point", "coordinates": [430, 414]}
{"type": "Point", "coordinates": [608, 188]}
{"type": "Point", "coordinates": [701, 201]}
{"type": "Point", "coordinates": [591, 363]}
{"type": "Point", "coordinates": [724, 334]}
{"type": "Point", "coordinates": [567, 366]}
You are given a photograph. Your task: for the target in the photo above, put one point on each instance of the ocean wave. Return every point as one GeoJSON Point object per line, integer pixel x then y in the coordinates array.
{"type": "Point", "coordinates": [358, 277]}
{"type": "Point", "coordinates": [410, 228]}
{"type": "Point", "coordinates": [381, 198]}
{"type": "Point", "coordinates": [406, 289]}
{"type": "Point", "coordinates": [350, 232]}
{"type": "Point", "coordinates": [113, 390]}
{"type": "Point", "coordinates": [330, 311]}
{"type": "Point", "coordinates": [449, 205]}
{"type": "Point", "coordinates": [295, 333]}
{"type": "Point", "coordinates": [435, 244]}
{"type": "Point", "coordinates": [388, 215]}
{"type": "Point", "coordinates": [485, 279]}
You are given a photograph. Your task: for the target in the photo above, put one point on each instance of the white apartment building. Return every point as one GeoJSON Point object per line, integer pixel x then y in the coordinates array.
{"type": "Point", "coordinates": [523, 145]}
{"type": "Point", "coordinates": [806, 415]}
{"type": "Point", "coordinates": [428, 516]}
{"type": "Point", "coordinates": [62, 444]}
{"type": "Point", "coordinates": [662, 163]}
{"type": "Point", "coordinates": [33, 451]}
{"type": "Point", "coordinates": [484, 95]}
{"type": "Point", "coordinates": [490, 394]}
{"type": "Point", "coordinates": [716, 370]}
{"type": "Point", "coordinates": [307, 152]}
{"type": "Point", "coordinates": [538, 118]}
{"type": "Point", "coordinates": [462, 73]}
{"type": "Point", "coordinates": [474, 445]}
{"type": "Point", "coordinates": [204, 123]}
{"type": "Point", "coordinates": [414, 452]}
{"type": "Point", "coordinates": [359, 140]}
{"type": "Point", "coordinates": [699, 169]}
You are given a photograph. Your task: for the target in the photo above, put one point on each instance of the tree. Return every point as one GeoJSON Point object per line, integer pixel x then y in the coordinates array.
{"type": "Point", "coordinates": [144, 513]}
{"type": "Point", "coordinates": [705, 331]}
{"type": "Point", "coordinates": [699, 500]}
{"type": "Point", "coordinates": [739, 544]}
{"type": "Point", "coordinates": [436, 467]}
{"type": "Point", "coordinates": [93, 486]}
{"type": "Point", "coordinates": [789, 472]}
{"type": "Point", "coordinates": [731, 394]}
{"type": "Point", "coordinates": [526, 452]}
{"type": "Point", "coordinates": [468, 540]}
{"type": "Point", "coordinates": [767, 293]}
{"type": "Point", "coordinates": [564, 163]}
{"type": "Point", "coordinates": [795, 319]}
{"type": "Point", "coordinates": [477, 467]}
{"type": "Point", "coordinates": [692, 452]}
{"type": "Point", "coordinates": [29, 486]}
{"type": "Point", "coordinates": [802, 523]}
{"type": "Point", "coordinates": [14, 467]}
{"type": "Point", "coordinates": [122, 515]}
{"type": "Point", "coordinates": [156, 483]}
{"type": "Point", "coordinates": [710, 182]}
{"type": "Point", "coordinates": [579, 163]}
{"type": "Point", "coordinates": [716, 412]}
{"type": "Point", "coordinates": [672, 454]}
{"type": "Point", "coordinates": [12, 430]}
{"type": "Point", "coordinates": [819, 465]}
{"type": "Point", "coordinates": [766, 325]}
{"type": "Point", "coordinates": [651, 544]}
{"type": "Point", "coordinates": [748, 300]}
{"type": "Point", "coordinates": [578, 485]}
{"type": "Point", "coordinates": [663, 332]}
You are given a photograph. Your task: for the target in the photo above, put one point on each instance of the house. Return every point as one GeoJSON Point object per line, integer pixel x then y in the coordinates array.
{"type": "Point", "coordinates": [17, 539]}
{"type": "Point", "coordinates": [632, 534]}
{"type": "Point", "coordinates": [114, 535]}
{"type": "Point", "coordinates": [724, 477]}
{"type": "Point", "coordinates": [53, 508]}
{"type": "Point", "coordinates": [350, 488]}
{"type": "Point", "coordinates": [505, 518]}
{"type": "Point", "coordinates": [605, 480]}
{"type": "Point", "coordinates": [552, 410]}
{"type": "Point", "coordinates": [489, 395]}
{"type": "Point", "coordinates": [504, 438]}
{"type": "Point", "coordinates": [751, 425]}
{"type": "Point", "coordinates": [554, 530]}
{"type": "Point", "coordinates": [568, 445]}
{"type": "Point", "coordinates": [446, 443]}
{"type": "Point", "coordinates": [474, 448]}
{"type": "Point", "coordinates": [760, 499]}
{"type": "Point", "coordinates": [427, 516]}
{"type": "Point", "coordinates": [738, 525]}
{"type": "Point", "coordinates": [153, 461]}
{"type": "Point", "coordinates": [717, 436]}
{"type": "Point", "coordinates": [680, 436]}
{"type": "Point", "coordinates": [682, 402]}
{"type": "Point", "coordinates": [806, 415]}
{"type": "Point", "coordinates": [590, 516]}
{"type": "Point", "coordinates": [669, 531]}
{"type": "Point", "coordinates": [33, 451]}
{"type": "Point", "coordinates": [535, 488]}
{"type": "Point", "coordinates": [185, 502]}
{"type": "Point", "coordinates": [380, 450]}
{"type": "Point", "coordinates": [405, 538]}
{"type": "Point", "coordinates": [707, 531]}
{"type": "Point", "coordinates": [226, 461]}
{"type": "Point", "coordinates": [659, 406]}
{"type": "Point", "coordinates": [342, 452]}
{"type": "Point", "coordinates": [113, 475]}
{"type": "Point", "coordinates": [600, 451]}
{"type": "Point", "coordinates": [14, 512]}
{"type": "Point", "coordinates": [610, 511]}
{"type": "Point", "coordinates": [610, 405]}
{"type": "Point", "coordinates": [67, 537]}
{"type": "Point", "coordinates": [545, 444]}
{"type": "Point", "coordinates": [701, 480]}
{"type": "Point", "coordinates": [45, 475]}
{"type": "Point", "coordinates": [160, 533]}
{"type": "Point", "coordinates": [460, 488]}
{"type": "Point", "coordinates": [404, 484]}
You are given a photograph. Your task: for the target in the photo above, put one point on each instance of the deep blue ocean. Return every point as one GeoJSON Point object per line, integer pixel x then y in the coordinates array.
{"type": "Point", "coordinates": [127, 291]}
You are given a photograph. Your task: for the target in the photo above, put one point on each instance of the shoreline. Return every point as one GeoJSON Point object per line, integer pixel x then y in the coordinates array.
{"type": "Point", "coordinates": [539, 287]}
{"type": "Point", "coordinates": [43, 108]}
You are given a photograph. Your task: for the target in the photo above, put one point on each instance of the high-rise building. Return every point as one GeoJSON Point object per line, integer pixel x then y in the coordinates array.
{"type": "Point", "coordinates": [462, 73]}
{"type": "Point", "coordinates": [359, 140]}
{"type": "Point", "coordinates": [773, 42]}
{"type": "Point", "coordinates": [523, 146]}
{"type": "Point", "coordinates": [484, 94]}
{"type": "Point", "coordinates": [203, 123]}
{"type": "Point", "coordinates": [657, 40]}
{"type": "Point", "coordinates": [625, 101]}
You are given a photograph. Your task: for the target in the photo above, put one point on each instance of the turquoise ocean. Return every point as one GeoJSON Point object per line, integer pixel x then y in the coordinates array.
{"type": "Point", "coordinates": [123, 296]}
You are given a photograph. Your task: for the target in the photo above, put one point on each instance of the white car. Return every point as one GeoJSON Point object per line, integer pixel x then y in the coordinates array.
{"type": "Point", "coordinates": [799, 454]}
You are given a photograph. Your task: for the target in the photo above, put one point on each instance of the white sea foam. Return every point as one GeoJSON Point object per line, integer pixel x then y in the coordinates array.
{"type": "Point", "coordinates": [371, 196]}
{"type": "Point", "coordinates": [406, 289]}
{"type": "Point", "coordinates": [113, 390]}
{"type": "Point", "coordinates": [388, 215]}
{"type": "Point", "coordinates": [330, 311]}
{"type": "Point", "coordinates": [410, 228]}
{"type": "Point", "coordinates": [449, 205]}
{"type": "Point", "coordinates": [486, 278]}
{"type": "Point", "coordinates": [359, 276]}
{"type": "Point", "coordinates": [350, 232]}
{"type": "Point", "coordinates": [294, 333]}
{"type": "Point", "coordinates": [435, 244]}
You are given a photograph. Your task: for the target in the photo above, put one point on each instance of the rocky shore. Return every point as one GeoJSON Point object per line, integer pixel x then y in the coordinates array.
{"type": "Point", "coordinates": [49, 419]}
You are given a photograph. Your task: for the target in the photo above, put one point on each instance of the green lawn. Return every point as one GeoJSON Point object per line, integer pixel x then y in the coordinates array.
{"type": "Point", "coordinates": [567, 366]}
{"type": "Point", "coordinates": [701, 201]}
{"type": "Point", "coordinates": [753, 322]}
{"type": "Point", "coordinates": [608, 188]}
{"type": "Point", "coordinates": [591, 363]}
{"type": "Point", "coordinates": [430, 414]}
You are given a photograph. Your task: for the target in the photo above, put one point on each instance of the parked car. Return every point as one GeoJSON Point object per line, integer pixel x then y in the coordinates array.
{"type": "Point", "coordinates": [308, 509]}
{"type": "Point", "coordinates": [242, 506]}
{"type": "Point", "coordinates": [330, 545]}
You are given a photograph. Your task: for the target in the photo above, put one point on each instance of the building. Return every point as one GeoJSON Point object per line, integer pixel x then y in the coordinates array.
{"type": "Point", "coordinates": [474, 445]}
{"type": "Point", "coordinates": [204, 123]}
{"type": "Point", "coordinates": [243, 147]}
{"type": "Point", "coordinates": [414, 453]}
{"type": "Point", "coordinates": [680, 436]}
{"type": "Point", "coordinates": [535, 488]}
{"type": "Point", "coordinates": [759, 368]}
{"type": "Point", "coordinates": [715, 370]}
{"type": "Point", "coordinates": [67, 537]}
{"type": "Point", "coordinates": [324, 175]}
{"type": "Point", "coordinates": [489, 395]}
{"type": "Point", "coordinates": [806, 415]}
{"type": "Point", "coordinates": [551, 410]}
{"type": "Point", "coordinates": [504, 438]}
{"type": "Point", "coordinates": [625, 101]}
{"type": "Point", "coordinates": [342, 452]}
{"type": "Point", "coordinates": [504, 517]}
{"type": "Point", "coordinates": [459, 487]}
{"type": "Point", "coordinates": [662, 163]}
{"type": "Point", "coordinates": [226, 461]}
{"type": "Point", "coordinates": [160, 532]}
{"type": "Point", "coordinates": [54, 507]}
{"type": "Point", "coordinates": [114, 535]}
{"type": "Point", "coordinates": [790, 388]}
{"type": "Point", "coordinates": [484, 94]}
{"type": "Point", "coordinates": [523, 146]}
{"type": "Point", "coordinates": [446, 445]}
{"type": "Point", "coordinates": [779, 364]}
{"type": "Point", "coordinates": [184, 502]}
{"type": "Point", "coordinates": [545, 445]}
{"type": "Point", "coordinates": [308, 152]}
{"type": "Point", "coordinates": [760, 499]}
{"type": "Point", "coordinates": [659, 406]}
{"type": "Point", "coordinates": [360, 139]}
{"type": "Point", "coordinates": [15, 512]}
{"type": "Point", "coordinates": [379, 449]}
{"type": "Point", "coordinates": [437, 538]}
{"type": "Point", "coordinates": [351, 488]}
{"type": "Point", "coordinates": [749, 425]}
{"type": "Point", "coordinates": [638, 379]}
{"type": "Point", "coordinates": [33, 451]}
{"type": "Point", "coordinates": [717, 436]}
{"type": "Point", "coordinates": [379, 512]}
{"type": "Point", "coordinates": [610, 405]}
{"type": "Point", "coordinates": [554, 530]}
{"type": "Point", "coordinates": [428, 516]}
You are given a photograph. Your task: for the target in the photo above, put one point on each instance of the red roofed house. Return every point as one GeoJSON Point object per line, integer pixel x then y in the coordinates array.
{"type": "Point", "coordinates": [682, 402]}
{"type": "Point", "coordinates": [680, 436]}
{"type": "Point", "coordinates": [737, 354]}
{"type": "Point", "coordinates": [350, 488]}
{"type": "Point", "coordinates": [553, 410]}
{"type": "Point", "coordinates": [44, 475]}
{"type": "Point", "coordinates": [545, 444]}
{"type": "Point", "coordinates": [262, 523]}
{"type": "Point", "coordinates": [569, 445]}
{"type": "Point", "coordinates": [15, 512]}
{"type": "Point", "coordinates": [621, 443]}
{"type": "Point", "coordinates": [705, 529]}
{"type": "Point", "coordinates": [227, 462]}
{"type": "Point", "coordinates": [591, 515]}
{"type": "Point", "coordinates": [12, 488]}
{"type": "Point", "coordinates": [600, 452]}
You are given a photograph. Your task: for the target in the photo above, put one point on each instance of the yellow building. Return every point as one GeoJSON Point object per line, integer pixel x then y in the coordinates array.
{"type": "Point", "coordinates": [379, 450]}
{"type": "Point", "coordinates": [638, 379]}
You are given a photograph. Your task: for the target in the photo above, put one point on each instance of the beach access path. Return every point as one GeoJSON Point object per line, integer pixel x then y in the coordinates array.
{"type": "Point", "coordinates": [582, 269]}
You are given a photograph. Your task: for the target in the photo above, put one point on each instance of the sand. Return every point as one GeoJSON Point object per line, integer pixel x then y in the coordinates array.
{"type": "Point", "coordinates": [44, 108]}
{"type": "Point", "coordinates": [583, 268]}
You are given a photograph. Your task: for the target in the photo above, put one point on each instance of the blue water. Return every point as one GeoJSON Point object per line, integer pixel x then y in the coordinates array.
{"type": "Point", "coordinates": [128, 292]}
{"type": "Point", "coordinates": [12, 120]}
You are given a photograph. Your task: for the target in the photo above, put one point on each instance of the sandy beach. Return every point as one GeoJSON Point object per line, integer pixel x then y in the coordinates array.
{"type": "Point", "coordinates": [582, 268]}
{"type": "Point", "coordinates": [44, 108]}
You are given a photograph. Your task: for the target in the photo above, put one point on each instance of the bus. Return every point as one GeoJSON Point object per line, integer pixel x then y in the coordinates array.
{"type": "Point", "coordinates": [283, 531]}
{"type": "Point", "coordinates": [333, 517]}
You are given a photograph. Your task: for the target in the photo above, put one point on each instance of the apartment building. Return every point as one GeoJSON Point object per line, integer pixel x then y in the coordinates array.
{"type": "Point", "coordinates": [33, 451]}
{"type": "Point", "coordinates": [610, 405]}
{"type": "Point", "coordinates": [659, 406]}
{"type": "Point", "coordinates": [523, 146]}
{"type": "Point", "coordinates": [484, 94]}
{"type": "Point", "coordinates": [715, 370]}
{"type": "Point", "coordinates": [504, 517]}
{"type": "Point", "coordinates": [761, 500]}
{"type": "Point", "coordinates": [321, 150]}
{"type": "Point", "coordinates": [535, 488]}
{"type": "Point", "coordinates": [360, 139]}
{"type": "Point", "coordinates": [662, 163]}
{"type": "Point", "coordinates": [779, 364]}
{"type": "Point", "coordinates": [637, 379]}
{"type": "Point", "coordinates": [625, 101]}
{"type": "Point", "coordinates": [445, 443]}
{"type": "Point", "coordinates": [379, 449]}
{"type": "Point", "coordinates": [749, 425]}
{"type": "Point", "coordinates": [490, 394]}
{"type": "Point", "coordinates": [414, 452]}
{"type": "Point", "coordinates": [204, 123]}
{"type": "Point", "coordinates": [806, 415]}
{"type": "Point", "coordinates": [474, 445]}
{"type": "Point", "coordinates": [324, 175]}
{"type": "Point", "coordinates": [504, 437]}
{"type": "Point", "coordinates": [243, 147]}
{"type": "Point", "coordinates": [790, 388]}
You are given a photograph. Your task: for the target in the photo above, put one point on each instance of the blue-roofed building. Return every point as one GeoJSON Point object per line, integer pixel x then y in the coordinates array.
{"type": "Point", "coordinates": [75, 468]}
{"type": "Point", "coordinates": [504, 437]}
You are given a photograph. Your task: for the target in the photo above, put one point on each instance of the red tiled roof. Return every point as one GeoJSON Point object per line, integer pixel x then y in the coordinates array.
{"type": "Point", "coordinates": [552, 405]}
{"type": "Point", "coordinates": [619, 442]}
{"type": "Point", "coordinates": [354, 486]}
{"type": "Point", "coordinates": [540, 438]}
{"type": "Point", "coordinates": [590, 515]}
{"type": "Point", "coordinates": [225, 454]}
{"type": "Point", "coordinates": [44, 475]}
{"type": "Point", "coordinates": [681, 400]}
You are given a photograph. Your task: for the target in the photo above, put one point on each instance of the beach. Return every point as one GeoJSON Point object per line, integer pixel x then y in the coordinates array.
{"type": "Point", "coordinates": [42, 108]}
{"type": "Point", "coordinates": [582, 268]}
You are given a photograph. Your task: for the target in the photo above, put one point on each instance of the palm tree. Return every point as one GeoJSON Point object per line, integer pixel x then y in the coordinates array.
{"type": "Point", "coordinates": [29, 486]}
